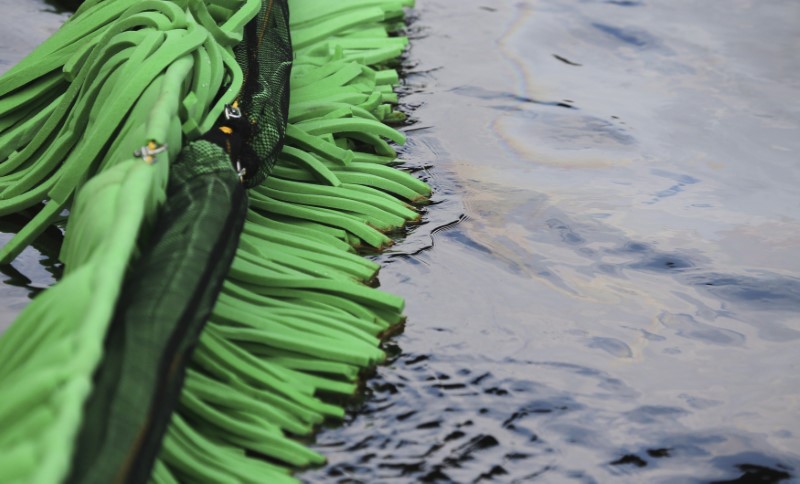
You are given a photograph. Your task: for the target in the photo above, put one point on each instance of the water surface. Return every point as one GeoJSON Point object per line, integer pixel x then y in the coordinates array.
{"type": "Point", "coordinates": [620, 301]}
{"type": "Point", "coordinates": [607, 287]}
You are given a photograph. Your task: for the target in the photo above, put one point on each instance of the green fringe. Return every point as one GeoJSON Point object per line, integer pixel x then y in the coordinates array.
{"type": "Point", "coordinates": [296, 322]}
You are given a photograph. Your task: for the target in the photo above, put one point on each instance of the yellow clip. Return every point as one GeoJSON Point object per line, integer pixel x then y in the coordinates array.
{"type": "Point", "coordinates": [148, 153]}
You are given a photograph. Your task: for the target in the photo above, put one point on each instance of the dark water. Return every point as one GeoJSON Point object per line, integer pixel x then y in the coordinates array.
{"type": "Point", "coordinates": [607, 288]}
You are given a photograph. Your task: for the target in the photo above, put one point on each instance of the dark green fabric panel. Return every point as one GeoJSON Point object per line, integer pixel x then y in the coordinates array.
{"type": "Point", "coordinates": [165, 304]}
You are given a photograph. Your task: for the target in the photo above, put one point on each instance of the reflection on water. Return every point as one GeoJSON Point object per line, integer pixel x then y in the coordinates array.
{"type": "Point", "coordinates": [606, 288]}
{"type": "Point", "coordinates": [620, 301]}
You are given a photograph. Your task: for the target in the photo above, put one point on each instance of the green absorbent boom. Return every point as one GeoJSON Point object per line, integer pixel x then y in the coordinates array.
{"type": "Point", "coordinates": [219, 162]}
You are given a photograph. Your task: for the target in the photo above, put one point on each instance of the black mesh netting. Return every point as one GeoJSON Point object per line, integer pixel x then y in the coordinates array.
{"type": "Point", "coordinates": [265, 56]}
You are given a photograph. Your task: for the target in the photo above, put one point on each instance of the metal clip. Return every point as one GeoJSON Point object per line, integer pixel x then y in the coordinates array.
{"type": "Point", "coordinates": [241, 171]}
{"type": "Point", "coordinates": [149, 151]}
{"type": "Point", "coordinates": [232, 112]}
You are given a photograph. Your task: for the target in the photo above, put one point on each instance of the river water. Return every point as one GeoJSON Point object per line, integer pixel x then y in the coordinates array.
{"type": "Point", "coordinates": [606, 288]}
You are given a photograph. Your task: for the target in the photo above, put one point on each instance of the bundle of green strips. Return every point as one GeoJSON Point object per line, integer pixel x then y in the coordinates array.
{"type": "Point", "coordinates": [217, 162]}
